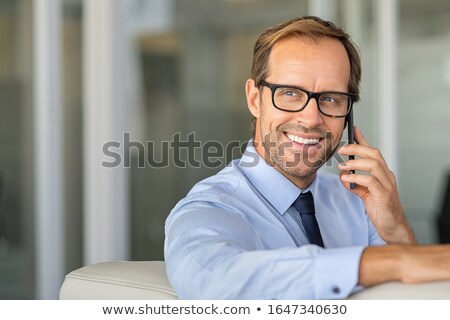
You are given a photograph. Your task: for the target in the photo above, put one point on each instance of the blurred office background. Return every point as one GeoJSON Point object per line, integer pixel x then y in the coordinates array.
{"type": "Point", "coordinates": [76, 74]}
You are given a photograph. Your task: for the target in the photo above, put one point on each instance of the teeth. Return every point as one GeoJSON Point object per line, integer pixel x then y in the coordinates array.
{"type": "Point", "coordinates": [301, 140]}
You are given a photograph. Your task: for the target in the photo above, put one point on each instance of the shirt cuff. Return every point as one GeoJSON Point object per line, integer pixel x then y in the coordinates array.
{"type": "Point", "coordinates": [337, 272]}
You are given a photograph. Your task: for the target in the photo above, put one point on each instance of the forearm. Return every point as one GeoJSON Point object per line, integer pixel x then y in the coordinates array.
{"type": "Point", "coordinates": [408, 236]}
{"type": "Point", "coordinates": [378, 265]}
{"type": "Point", "coordinates": [405, 263]}
{"type": "Point", "coordinates": [403, 234]}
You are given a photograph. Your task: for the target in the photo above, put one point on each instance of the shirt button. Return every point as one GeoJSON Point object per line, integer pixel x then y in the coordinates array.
{"type": "Point", "coordinates": [336, 290]}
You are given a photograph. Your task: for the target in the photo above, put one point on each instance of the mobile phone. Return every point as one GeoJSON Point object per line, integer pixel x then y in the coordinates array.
{"type": "Point", "coordinates": [351, 140]}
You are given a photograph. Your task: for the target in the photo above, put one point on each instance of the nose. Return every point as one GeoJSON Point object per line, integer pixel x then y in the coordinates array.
{"type": "Point", "coordinates": [310, 116]}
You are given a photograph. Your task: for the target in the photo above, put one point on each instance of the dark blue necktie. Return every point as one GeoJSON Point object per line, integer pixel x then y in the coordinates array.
{"type": "Point", "coordinates": [305, 206]}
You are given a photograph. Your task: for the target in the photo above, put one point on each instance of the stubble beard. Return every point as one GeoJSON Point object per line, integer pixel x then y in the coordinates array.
{"type": "Point", "coordinates": [300, 166]}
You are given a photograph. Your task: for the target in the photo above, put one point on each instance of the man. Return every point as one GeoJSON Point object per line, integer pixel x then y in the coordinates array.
{"type": "Point", "coordinates": [270, 226]}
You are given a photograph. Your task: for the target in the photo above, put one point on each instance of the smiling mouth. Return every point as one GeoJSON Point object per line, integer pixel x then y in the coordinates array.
{"type": "Point", "coordinates": [304, 141]}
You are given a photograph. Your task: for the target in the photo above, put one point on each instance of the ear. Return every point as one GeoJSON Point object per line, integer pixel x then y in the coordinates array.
{"type": "Point", "coordinates": [253, 98]}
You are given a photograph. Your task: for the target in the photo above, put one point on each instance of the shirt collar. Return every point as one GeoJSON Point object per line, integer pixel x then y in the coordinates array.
{"type": "Point", "coordinates": [273, 186]}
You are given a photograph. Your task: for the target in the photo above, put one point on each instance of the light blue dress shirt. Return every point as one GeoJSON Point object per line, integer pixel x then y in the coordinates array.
{"type": "Point", "coordinates": [237, 235]}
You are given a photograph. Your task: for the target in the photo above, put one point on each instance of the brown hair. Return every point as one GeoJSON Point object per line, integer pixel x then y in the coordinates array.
{"type": "Point", "coordinates": [313, 28]}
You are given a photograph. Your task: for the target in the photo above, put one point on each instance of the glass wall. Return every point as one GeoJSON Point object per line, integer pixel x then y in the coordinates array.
{"type": "Point", "coordinates": [424, 112]}
{"type": "Point", "coordinates": [16, 156]}
{"type": "Point", "coordinates": [186, 64]}
{"type": "Point", "coordinates": [17, 196]}
{"type": "Point", "coordinates": [72, 67]}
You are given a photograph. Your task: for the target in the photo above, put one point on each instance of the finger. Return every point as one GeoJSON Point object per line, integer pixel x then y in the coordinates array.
{"type": "Point", "coordinates": [364, 152]}
{"type": "Point", "coordinates": [361, 151]}
{"type": "Point", "coordinates": [350, 149]}
{"type": "Point", "coordinates": [373, 186]}
{"type": "Point", "coordinates": [358, 190]}
{"type": "Point", "coordinates": [372, 166]}
{"type": "Point", "coordinates": [359, 137]}
{"type": "Point", "coordinates": [361, 164]}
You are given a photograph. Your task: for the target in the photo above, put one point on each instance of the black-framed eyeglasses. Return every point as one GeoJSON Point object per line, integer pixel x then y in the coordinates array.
{"type": "Point", "coordinates": [294, 99]}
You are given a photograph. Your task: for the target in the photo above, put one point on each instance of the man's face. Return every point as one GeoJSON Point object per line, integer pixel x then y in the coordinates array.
{"type": "Point", "coordinates": [298, 143]}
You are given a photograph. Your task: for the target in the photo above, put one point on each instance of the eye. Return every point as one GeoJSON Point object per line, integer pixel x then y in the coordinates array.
{"type": "Point", "coordinates": [329, 99]}
{"type": "Point", "coordinates": [288, 92]}
{"type": "Point", "coordinates": [335, 99]}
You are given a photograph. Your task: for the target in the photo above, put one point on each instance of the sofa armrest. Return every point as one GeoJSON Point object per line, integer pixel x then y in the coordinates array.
{"type": "Point", "coordinates": [147, 280]}
{"type": "Point", "coordinates": [118, 280]}
{"type": "Point", "coordinates": [403, 291]}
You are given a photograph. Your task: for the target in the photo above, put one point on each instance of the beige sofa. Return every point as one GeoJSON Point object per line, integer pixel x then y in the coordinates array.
{"type": "Point", "coordinates": [139, 280]}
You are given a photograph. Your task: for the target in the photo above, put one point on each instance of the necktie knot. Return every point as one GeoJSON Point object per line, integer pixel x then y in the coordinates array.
{"type": "Point", "coordinates": [305, 203]}
{"type": "Point", "coordinates": [305, 207]}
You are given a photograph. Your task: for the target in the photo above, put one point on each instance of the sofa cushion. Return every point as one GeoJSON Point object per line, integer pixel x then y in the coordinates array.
{"type": "Point", "coordinates": [118, 280]}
